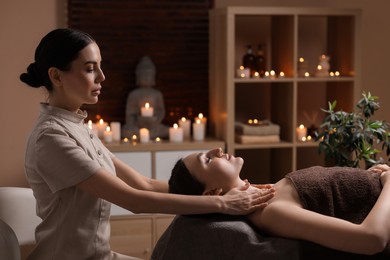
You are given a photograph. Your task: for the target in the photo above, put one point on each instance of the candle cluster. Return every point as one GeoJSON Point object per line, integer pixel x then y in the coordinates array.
{"type": "Point", "coordinates": [182, 130]}
{"type": "Point", "coordinates": [302, 134]}
{"type": "Point", "coordinates": [321, 70]}
{"type": "Point", "coordinates": [245, 73]}
{"type": "Point", "coordinates": [107, 133]}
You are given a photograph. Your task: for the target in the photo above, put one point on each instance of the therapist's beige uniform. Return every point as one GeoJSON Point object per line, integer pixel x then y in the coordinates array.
{"type": "Point", "coordinates": [61, 152]}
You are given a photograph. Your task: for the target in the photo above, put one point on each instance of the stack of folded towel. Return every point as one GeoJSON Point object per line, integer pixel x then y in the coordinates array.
{"type": "Point", "coordinates": [263, 132]}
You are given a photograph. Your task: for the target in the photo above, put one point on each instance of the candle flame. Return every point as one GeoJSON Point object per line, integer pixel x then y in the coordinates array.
{"type": "Point", "coordinates": [200, 115]}
{"type": "Point", "coordinates": [301, 59]}
{"type": "Point", "coordinates": [183, 119]}
{"type": "Point", "coordinates": [198, 121]}
{"type": "Point", "coordinates": [301, 126]}
{"type": "Point", "coordinates": [101, 121]}
{"type": "Point", "coordinates": [147, 105]}
{"type": "Point", "coordinates": [175, 126]}
{"type": "Point", "coordinates": [108, 129]}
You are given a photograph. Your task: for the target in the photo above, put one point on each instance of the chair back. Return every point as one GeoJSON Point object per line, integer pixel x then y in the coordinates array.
{"type": "Point", "coordinates": [18, 210]}
{"type": "Point", "coordinates": [9, 246]}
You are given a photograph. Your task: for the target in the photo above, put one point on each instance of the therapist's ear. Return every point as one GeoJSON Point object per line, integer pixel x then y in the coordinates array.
{"type": "Point", "coordinates": [216, 191]}
{"type": "Point", "coordinates": [55, 77]}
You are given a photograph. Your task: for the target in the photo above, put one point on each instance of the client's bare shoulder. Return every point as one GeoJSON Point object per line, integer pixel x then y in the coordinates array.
{"type": "Point", "coordinates": [285, 195]}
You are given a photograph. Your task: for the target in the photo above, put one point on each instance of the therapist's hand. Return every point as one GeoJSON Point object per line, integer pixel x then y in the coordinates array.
{"type": "Point", "coordinates": [245, 200]}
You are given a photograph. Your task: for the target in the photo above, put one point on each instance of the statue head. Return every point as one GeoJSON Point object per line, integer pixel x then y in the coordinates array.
{"type": "Point", "coordinates": [145, 72]}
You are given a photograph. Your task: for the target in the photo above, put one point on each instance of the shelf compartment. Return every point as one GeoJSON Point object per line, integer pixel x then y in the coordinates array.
{"type": "Point", "coordinates": [271, 101]}
{"type": "Point", "coordinates": [265, 165]}
{"type": "Point", "coordinates": [275, 32]}
{"type": "Point", "coordinates": [312, 96]}
{"type": "Point", "coordinates": [332, 35]}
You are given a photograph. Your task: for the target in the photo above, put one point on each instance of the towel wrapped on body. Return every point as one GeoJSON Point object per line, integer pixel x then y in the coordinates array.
{"type": "Point", "coordinates": [331, 191]}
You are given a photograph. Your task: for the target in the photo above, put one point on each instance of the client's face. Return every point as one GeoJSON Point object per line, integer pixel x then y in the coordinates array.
{"type": "Point", "coordinates": [215, 169]}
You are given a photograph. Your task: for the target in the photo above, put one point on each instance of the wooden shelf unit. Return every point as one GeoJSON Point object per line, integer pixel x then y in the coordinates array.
{"type": "Point", "coordinates": [287, 34]}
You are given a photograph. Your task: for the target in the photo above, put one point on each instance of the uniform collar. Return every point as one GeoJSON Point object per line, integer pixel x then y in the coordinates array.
{"type": "Point", "coordinates": [75, 117]}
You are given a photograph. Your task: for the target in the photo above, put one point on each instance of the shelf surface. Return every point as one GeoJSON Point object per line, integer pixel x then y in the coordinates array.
{"type": "Point", "coordinates": [165, 146]}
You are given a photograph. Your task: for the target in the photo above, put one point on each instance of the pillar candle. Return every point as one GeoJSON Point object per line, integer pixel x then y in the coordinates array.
{"type": "Point", "coordinates": [144, 135]}
{"type": "Point", "coordinates": [176, 134]}
{"type": "Point", "coordinates": [93, 127]}
{"type": "Point", "coordinates": [116, 131]}
{"type": "Point", "coordinates": [147, 110]}
{"type": "Point", "coordinates": [301, 133]}
{"type": "Point", "coordinates": [186, 125]}
{"type": "Point", "coordinates": [203, 120]}
{"type": "Point", "coordinates": [108, 135]}
{"type": "Point", "coordinates": [101, 128]}
{"type": "Point", "coordinates": [198, 130]}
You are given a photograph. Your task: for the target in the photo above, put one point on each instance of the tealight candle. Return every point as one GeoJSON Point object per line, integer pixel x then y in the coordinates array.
{"type": "Point", "coordinates": [272, 74]}
{"type": "Point", "coordinates": [243, 72]}
{"type": "Point", "coordinates": [101, 128]}
{"type": "Point", "coordinates": [108, 135]}
{"type": "Point", "coordinates": [176, 134]}
{"type": "Point", "coordinates": [301, 132]}
{"type": "Point", "coordinates": [198, 130]}
{"type": "Point", "coordinates": [147, 110]}
{"type": "Point", "coordinates": [186, 125]}
{"type": "Point", "coordinates": [116, 131]}
{"type": "Point", "coordinates": [134, 139]}
{"type": "Point", "coordinates": [144, 135]}
{"type": "Point", "coordinates": [281, 74]}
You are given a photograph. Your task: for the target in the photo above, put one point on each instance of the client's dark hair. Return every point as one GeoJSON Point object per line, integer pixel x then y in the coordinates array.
{"type": "Point", "coordinates": [182, 181]}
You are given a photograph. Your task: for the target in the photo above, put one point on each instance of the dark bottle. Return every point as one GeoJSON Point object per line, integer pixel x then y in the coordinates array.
{"type": "Point", "coordinates": [260, 60]}
{"type": "Point", "coordinates": [249, 60]}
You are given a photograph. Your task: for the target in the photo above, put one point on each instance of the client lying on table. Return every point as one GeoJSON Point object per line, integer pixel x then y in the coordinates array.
{"type": "Point", "coordinates": [321, 205]}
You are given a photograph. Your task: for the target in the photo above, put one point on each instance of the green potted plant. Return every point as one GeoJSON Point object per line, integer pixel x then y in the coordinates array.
{"type": "Point", "coordinates": [350, 139]}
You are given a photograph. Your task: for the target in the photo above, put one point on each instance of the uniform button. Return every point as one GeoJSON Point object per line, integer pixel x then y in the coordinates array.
{"type": "Point", "coordinates": [99, 152]}
{"type": "Point", "coordinates": [91, 135]}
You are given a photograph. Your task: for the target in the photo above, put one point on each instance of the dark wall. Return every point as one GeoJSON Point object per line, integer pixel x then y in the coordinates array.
{"type": "Point", "coordinates": [173, 33]}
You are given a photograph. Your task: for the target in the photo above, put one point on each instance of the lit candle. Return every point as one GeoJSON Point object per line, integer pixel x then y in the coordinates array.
{"type": "Point", "coordinates": [134, 139]}
{"type": "Point", "coordinates": [203, 120]}
{"type": "Point", "coordinates": [281, 74]}
{"type": "Point", "coordinates": [147, 110]}
{"type": "Point", "coordinates": [272, 74]}
{"type": "Point", "coordinates": [144, 135]}
{"type": "Point", "coordinates": [307, 74]}
{"type": "Point", "coordinates": [337, 73]}
{"type": "Point", "coordinates": [301, 132]}
{"type": "Point", "coordinates": [101, 128]}
{"type": "Point", "coordinates": [266, 74]}
{"type": "Point", "coordinates": [256, 75]}
{"type": "Point", "coordinates": [176, 134]}
{"type": "Point", "coordinates": [198, 130]}
{"type": "Point", "coordinates": [108, 135]}
{"type": "Point", "coordinates": [243, 72]}
{"type": "Point", "coordinates": [116, 131]}
{"type": "Point", "coordinates": [186, 125]}
{"type": "Point", "coordinates": [93, 127]}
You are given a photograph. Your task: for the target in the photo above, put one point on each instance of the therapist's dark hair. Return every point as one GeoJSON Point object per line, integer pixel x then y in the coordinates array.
{"type": "Point", "coordinates": [182, 181]}
{"type": "Point", "coordinates": [57, 49]}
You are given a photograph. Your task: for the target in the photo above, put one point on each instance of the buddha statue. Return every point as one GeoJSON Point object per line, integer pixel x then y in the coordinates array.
{"type": "Point", "coordinates": [145, 94]}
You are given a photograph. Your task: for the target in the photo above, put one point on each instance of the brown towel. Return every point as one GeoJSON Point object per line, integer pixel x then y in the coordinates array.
{"type": "Point", "coordinates": [346, 193]}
